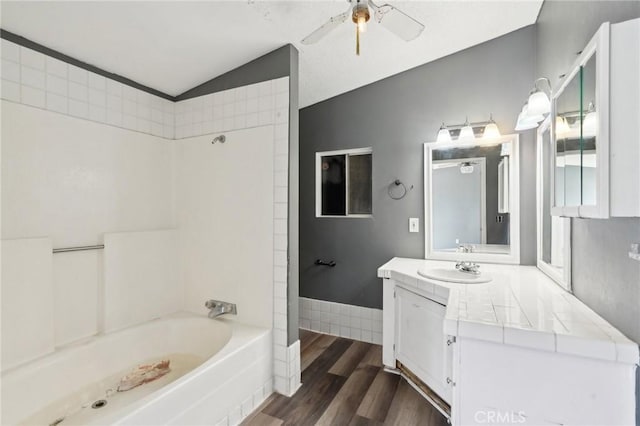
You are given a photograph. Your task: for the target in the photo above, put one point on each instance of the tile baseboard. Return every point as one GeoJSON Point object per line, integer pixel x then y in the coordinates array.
{"type": "Point", "coordinates": [343, 320]}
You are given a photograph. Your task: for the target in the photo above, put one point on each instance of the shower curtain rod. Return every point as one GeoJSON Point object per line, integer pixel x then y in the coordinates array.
{"type": "Point", "coordinates": [81, 248]}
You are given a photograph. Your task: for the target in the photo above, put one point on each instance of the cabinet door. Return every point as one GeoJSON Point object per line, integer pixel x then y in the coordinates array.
{"type": "Point", "coordinates": [420, 341]}
{"type": "Point", "coordinates": [580, 128]}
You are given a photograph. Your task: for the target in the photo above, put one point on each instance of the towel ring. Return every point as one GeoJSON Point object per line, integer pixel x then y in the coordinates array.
{"type": "Point", "coordinates": [395, 184]}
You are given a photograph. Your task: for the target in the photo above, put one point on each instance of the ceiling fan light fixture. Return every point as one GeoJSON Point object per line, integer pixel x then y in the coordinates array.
{"type": "Point", "coordinates": [361, 16]}
{"type": "Point", "coordinates": [390, 17]}
{"type": "Point", "coordinates": [362, 24]}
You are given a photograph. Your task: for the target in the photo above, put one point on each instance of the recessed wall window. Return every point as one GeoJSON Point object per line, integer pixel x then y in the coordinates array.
{"type": "Point", "coordinates": [343, 183]}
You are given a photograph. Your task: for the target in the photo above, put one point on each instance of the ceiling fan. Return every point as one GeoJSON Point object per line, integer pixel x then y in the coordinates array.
{"type": "Point", "coordinates": [390, 17]}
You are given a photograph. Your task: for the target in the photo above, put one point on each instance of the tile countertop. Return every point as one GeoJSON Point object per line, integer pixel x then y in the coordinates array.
{"type": "Point", "coordinates": [521, 306]}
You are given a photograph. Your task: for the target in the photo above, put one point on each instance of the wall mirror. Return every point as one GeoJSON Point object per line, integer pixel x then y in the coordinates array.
{"type": "Point", "coordinates": [554, 232]}
{"type": "Point", "coordinates": [472, 200]}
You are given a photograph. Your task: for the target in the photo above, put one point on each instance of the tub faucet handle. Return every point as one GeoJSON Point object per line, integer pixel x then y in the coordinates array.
{"type": "Point", "coordinates": [218, 307]}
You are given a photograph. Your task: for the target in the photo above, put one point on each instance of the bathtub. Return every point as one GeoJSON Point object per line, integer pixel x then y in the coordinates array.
{"type": "Point", "coordinates": [221, 370]}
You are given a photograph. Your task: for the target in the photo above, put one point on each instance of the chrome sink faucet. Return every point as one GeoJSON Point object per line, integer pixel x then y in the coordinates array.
{"type": "Point", "coordinates": [465, 248]}
{"type": "Point", "coordinates": [468, 267]}
{"type": "Point", "coordinates": [218, 307]}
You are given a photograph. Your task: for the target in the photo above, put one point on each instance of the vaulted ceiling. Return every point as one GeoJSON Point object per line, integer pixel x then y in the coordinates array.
{"type": "Point", "coordinates": [174, 46]}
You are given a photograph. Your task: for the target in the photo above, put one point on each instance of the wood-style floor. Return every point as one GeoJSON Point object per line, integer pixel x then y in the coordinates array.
{"type": "Point", "coordinates": [343, 383]}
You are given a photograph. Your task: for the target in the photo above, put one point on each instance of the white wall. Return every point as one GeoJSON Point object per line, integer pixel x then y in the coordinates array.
{"type": "Point", "coordinates": [72, 180]}
{"type": "Point", "coordinates": [27, 311]}
{"type": "Point", "coordinates": [247, 107]}
{"type": "Point", "coordinates": [225, 218]}
{"type": "Point", "coordinates": [141, 277]}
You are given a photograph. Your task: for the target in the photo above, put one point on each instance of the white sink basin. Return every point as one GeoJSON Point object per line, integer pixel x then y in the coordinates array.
{"type": "Point", "coordinates": [454, 276]}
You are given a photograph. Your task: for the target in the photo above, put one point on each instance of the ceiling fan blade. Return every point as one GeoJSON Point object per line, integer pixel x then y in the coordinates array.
{"type": "Point", "coordinates": [325, 29]}
{"type": "Point", "coordinates": [396, 21]}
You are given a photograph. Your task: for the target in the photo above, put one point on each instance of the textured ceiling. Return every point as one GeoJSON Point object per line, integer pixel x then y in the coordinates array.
{"type": "Point", "coordinates": [174, 46]}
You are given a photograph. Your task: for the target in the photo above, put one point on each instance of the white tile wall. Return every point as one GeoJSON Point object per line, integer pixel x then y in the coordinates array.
{"type": "Point", "coordinates": [40, 81]}
{"type": "Point", "coordinates": [260, 104]}
{"type": "Point", "coordinates": [255, 105]}
{"type": "Point", "coordinates": [34, 79]}
{"type": "Point", "coordinates": [338, 319]}
{"type": "Point", "coordinates": [237, 414]}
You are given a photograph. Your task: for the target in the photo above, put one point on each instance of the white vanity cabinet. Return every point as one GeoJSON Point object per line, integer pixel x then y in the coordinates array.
{"type": "Point", "coordinates": [420, 343]}
{"type": "Point", "coordinates": [516, 350]}
{"type": "Point", "coordinates": [414, 341]}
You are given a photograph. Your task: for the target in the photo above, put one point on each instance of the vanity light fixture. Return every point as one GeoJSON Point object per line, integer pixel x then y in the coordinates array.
{"type": "Point", "coordinates": [524, 121]}
{"type": "Point", "coordinates": [466, 132]}
{"type": "Point", "coordinates": [443, 134]}
{"type": "Point", "coordinates": [536, 107]}
{"type": "Point", "coordinates": [491, 130]}
{"type": "Point", "coordinates": [590, 123]}
{"type": "Point", "coordinates": [539, 103]}
{"type": "Point", "coordinates": [469, 131]}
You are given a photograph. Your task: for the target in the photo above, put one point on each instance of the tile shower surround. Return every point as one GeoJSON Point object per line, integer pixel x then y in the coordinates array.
{"type": "Point", "coordinates": [35, 79]}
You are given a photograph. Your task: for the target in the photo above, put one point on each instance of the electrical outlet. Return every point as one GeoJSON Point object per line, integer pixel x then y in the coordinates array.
{"type": "Point", "coordinates": [499, 218]}
{"type": "Point", "coordinates": [414, 224]}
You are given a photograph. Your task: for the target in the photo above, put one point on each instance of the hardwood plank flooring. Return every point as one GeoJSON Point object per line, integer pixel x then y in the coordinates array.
{"type": "Point", "coordinates": [343, 383]}
{"type": "Point", "coordinates": [377, 400]}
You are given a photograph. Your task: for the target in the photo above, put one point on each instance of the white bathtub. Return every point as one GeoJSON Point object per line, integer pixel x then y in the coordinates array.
{"type": "Point", "coordinates": [220, 371]}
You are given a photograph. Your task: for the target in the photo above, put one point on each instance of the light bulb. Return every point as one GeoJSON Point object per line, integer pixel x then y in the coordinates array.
{"type": "Point", "coordinates": [491, 130]}
{"type": "Point", "coordinates": [562, 127]}
{"type": "Point", "coordinates": [539, 104]}
{"type": "Point", "coordinates": [466, 133]}
{"type": "Point", "coordinates": [529, 116]}
{"type": "Point", "coordinates": [362, 23]}
{"type": "Point", "coordinates": [524, 123]}
{"type": "Point", "coordinates": [590, 123]}
{"type": "Point", "coordinates": [443, 134]}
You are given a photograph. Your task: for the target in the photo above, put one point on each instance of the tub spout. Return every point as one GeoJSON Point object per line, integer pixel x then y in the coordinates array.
{"type": "Point", "coordinates": [218, 307]}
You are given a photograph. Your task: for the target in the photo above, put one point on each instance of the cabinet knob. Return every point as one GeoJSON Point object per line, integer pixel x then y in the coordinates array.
{"type": "Point", "coordinates": [450, 382]}
{"type": "Point", "coordinates": [449, 342]}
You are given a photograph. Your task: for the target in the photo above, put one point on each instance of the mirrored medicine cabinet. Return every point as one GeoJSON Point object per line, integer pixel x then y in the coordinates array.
{"type": "Point", "coordinates": [596, 140]}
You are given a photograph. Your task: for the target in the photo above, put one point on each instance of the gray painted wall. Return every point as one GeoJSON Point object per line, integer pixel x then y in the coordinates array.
{"type": "Point", "coordinates": [293, 273]}
{"type": "Point", "coordinates": [603, 275]}
{"type": "Point", "coordinates": [395, 116]}
{"type": "Point", "coordinates": [272, 65]}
